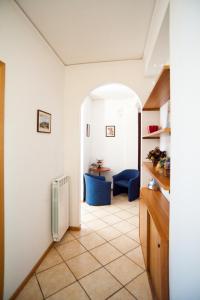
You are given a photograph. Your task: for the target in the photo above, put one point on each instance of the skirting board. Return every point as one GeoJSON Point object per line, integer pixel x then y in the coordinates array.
{"type": "Point", "coordinates": [24, 282]}
{"type": "Point", "coordinates": [75, 228]}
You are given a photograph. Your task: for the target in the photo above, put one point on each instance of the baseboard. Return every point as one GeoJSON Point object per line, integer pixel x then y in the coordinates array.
{"type": "Point", "coordinates": [75, 228]}
{"type": "Point", "coordinates": [24, 282]}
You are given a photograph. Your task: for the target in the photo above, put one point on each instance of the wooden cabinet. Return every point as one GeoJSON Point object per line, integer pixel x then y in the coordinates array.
{"type": "Point", "coordinates": [154, 237]}
{"type": "Point", "coordinates": [155, 259]}
{"type": "Point", "coordinates": [143, 228]}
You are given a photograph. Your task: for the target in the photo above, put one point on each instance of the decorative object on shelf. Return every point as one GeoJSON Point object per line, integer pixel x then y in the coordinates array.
{"type": "Point", "coordinates": [163, 166]}
{"type": "Point", "coordinates": [153, 185]}
{"type": "Point", "coordinates": [99, 163]}
{"type": "Point", "coordinates": [43, 121]}
{"type": "Point", "coordinates": [155, 155]}
{"type": "Point", "coordinates": [152, 128]}
{"type": "Point", "coordinates": [110, 131]}
{"type": "Point", "coordinates": [87, 130]}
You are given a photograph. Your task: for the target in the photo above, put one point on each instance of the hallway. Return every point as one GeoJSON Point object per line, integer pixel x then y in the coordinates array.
{"type": "Point", "coordinates": [102, 261]}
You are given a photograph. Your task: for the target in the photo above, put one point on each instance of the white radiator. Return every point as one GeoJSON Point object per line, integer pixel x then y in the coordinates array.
{"type": "Point", "coordinates": [60, 207]}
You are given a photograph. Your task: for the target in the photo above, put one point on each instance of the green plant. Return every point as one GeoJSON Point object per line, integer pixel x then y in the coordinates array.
{"type": "Point", "coordinates": [156, 155]}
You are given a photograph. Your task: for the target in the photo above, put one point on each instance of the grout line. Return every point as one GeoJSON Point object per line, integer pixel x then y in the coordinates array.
{"type": "Point", "coordinates": [39, 285]}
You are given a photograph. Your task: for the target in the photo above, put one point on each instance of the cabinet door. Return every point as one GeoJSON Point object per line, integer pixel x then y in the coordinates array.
{"type": "Point", "coordinates": [144, 229]}
{"type": "Point", "coordinates": [155, 259]}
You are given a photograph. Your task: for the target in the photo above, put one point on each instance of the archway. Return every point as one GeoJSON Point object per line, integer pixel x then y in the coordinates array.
{"type": "Point", "coordinates": [116, 105]}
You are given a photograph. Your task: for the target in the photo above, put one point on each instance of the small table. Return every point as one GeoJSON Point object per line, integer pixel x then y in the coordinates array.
{"type": "Point", "coordinates": [99, 170]}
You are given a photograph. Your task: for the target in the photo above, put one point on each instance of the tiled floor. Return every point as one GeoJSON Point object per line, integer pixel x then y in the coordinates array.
{"type": "Point", "coordinates": [102, 261]}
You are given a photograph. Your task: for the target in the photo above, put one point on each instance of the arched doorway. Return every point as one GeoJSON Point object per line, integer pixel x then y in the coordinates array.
{"type": "Point", "coordinates": [110, 105]}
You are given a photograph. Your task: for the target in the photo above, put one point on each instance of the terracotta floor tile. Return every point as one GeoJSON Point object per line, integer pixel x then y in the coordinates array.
{"type": "Point", "coordinates": [96, 224]}
{"type": "Point", "coordinates": [124, 226]}
{"type": "Point", "coordinates": [72, 292]}
{"type": "Point", "coordinates": [109, 233]}
{"type": "Point", "coordinates": [105, 253]}
{"type": "Point", "coordinates": [101, 213]}
{"type": "Point", "coordinates": [124, 243]}
{"type": "Point", "coordinates": [31, 291]}
{"type": "Point", "coordinates": [54, 279]}
{"type": "Point", "coordinates": [100, 284]}
{"type": "Point", "coordinates": [123, 214]}
{"type": "Point", "coordinates": [85, 230]}
{"type": "Point", "coordinates": [124, 269]}
{"type": "Point", "coordinates": [50, 260]}
{"type": "Point", "coordinates": [134, 234]}
{"type": "Point", "coordinates": [140, 288]}
{"type": "Point", "coordinates": [70, 249]}
{"type": "Point", "coordinates": [83, 264]}
{"type": "Point", "coordinates": [68, 237]}
{"type": "Point", "coordinates": [111, 219]}
{"type": "Point", "coordinates": [123, 294]}
{"type": "Point", "coordinates": [91, 241]}
{"type": "Point", "coordinates": [137, 256]}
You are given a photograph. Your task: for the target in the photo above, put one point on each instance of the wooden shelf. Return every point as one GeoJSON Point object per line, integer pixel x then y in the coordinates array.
{"type": "Point", "coordinates": [158, 207]}
{"type": "Point", "coordinates": [156, 134]}
{"type": "Point", "coordinates": [162, 180]}
{"type": "Point", "coordinates": [160, 93]}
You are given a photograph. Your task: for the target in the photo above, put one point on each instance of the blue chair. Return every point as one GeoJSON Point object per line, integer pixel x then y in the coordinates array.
{"type": "Point", "coordinates": [127, 181]}
{"type": "Point", "coordinates": [97, 190]}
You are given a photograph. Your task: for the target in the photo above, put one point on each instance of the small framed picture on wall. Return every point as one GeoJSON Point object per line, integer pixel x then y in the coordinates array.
{"type": "Point", "coordinates": [88, 130]}
{"type": "Point", "coordinates": [43, 121]}
{"type": "Point", "coordinates": [110, 131]}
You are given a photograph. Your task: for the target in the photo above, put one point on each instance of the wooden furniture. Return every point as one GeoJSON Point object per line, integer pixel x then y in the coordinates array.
{"type": "Point", "coordinates": [161, 91]}
{"type": "Point", "coordinates": [154, 236]}
{"type": "Point", "coordinates": [162, 180]}
{"type": "Point", "coordinates": [156, 134]}
{"type": "Point", "coordinates": [154, 207]}
{"type": "Point", "coordinates": [99, 170]}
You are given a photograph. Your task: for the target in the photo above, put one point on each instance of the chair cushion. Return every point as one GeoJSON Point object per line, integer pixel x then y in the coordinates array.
{"type": "Point", "coordinates": [123, 183]}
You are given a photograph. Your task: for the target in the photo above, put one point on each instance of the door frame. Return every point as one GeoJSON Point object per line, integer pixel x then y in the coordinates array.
{"type": "Point", "coordinates": [2, 88]}
{"type": "Point", "coordinates": [139, 141]}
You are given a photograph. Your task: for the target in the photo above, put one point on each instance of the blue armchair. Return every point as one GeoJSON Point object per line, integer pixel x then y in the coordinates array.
{"type": "Point", "coordinates": [127, 181]}
{"type": "Point", "coordinates": [97, 190]}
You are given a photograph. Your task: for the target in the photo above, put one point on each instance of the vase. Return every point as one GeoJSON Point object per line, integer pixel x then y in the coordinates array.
{"type": "Point", "coordinates": [155, 161]}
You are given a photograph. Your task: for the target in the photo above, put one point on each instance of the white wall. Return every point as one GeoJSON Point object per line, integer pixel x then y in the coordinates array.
{"type": "Point", "coordinates": [34, 80]}
{"type": "Point", "coordinates": [164, 122]}
{"type": "Point", "coordinates": [86, 118]}
{"type": "Point", "coordinates": [185, 145]}
{"type": "Point", "coordinates": [119, 152]}
{"type": "Point", "coordinates": [80, 81]}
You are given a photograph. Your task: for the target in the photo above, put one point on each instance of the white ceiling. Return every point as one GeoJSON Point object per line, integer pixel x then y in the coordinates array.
{"type": "Point", "coordinates": [83, 31]}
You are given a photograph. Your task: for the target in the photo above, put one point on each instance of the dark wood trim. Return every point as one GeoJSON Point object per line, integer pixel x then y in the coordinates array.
{"type": "Point", "coordinates": [139, 141]}
{"type": "Point", "coordinates": [151, 109]}
{"type": "Point", "coordinates": [24, 282]}
{"type": "Point", "coordinates": [2, 90]}
{"type": "Point", "coordinates": [150, 137]}
{"type": "Point", "coordinates": [75, 228]}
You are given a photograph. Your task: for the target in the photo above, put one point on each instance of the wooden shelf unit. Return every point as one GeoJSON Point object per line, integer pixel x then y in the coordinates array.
{"type": "Point", "coordinates": [156, 134]}
{"type": "Point", "coordinates": [161, 91]}
{"type": "Point", "coordinates": [154, 236]}
{"type": "Point", "coordinates": [162, 180]}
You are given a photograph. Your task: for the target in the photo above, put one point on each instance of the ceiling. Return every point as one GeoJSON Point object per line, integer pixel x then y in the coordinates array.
{"type": "Point", "coordinates": [85, 31]}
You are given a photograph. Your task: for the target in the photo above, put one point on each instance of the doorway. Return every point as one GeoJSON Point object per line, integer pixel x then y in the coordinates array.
{"type": "Point", "coordinates": [112, 105]}
{"type": "Point", "coordinates": [2, 86]}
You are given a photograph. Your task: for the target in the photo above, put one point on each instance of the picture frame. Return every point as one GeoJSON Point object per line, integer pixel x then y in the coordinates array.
{"type": "Point", "coordinates": [110, 131]}
{"type": "Point", "coordinates": [87, 130]}
{"type": "Point", "coordinates": [43, 121]}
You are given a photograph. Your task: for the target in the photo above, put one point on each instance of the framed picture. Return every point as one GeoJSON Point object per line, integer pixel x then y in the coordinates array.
{"type": "Point", "coordinates": [110, 131]}
{"type": "Point", "coordinates": [43, 121]}
{"type": "Point", "coordinates": [88, 130]}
